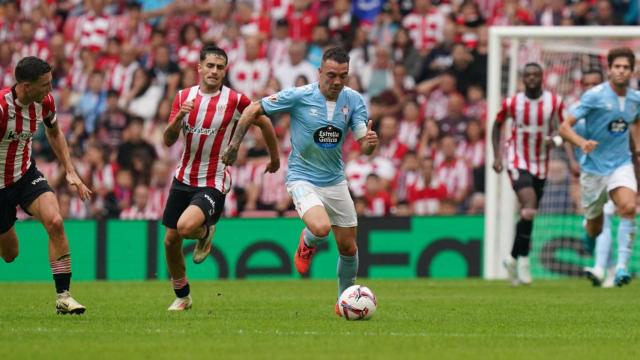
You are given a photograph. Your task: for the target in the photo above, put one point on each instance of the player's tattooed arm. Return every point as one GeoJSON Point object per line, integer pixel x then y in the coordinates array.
{"type": "Point", "coordinates": [248, 115]}
{"type": "Point", "coordinates": [172, 132]}
{"type": "Point", "coordinates": [61, 150]}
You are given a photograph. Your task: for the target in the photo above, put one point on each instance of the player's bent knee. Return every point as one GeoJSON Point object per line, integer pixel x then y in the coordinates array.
{"type": "Point", "coordinates": [55, 225]}
{"type": "Point", "coordinates": [349, 250]}
{"type": "Point", "coordinates": [528, 213]}
{"type": "Point", "coordinates": [320, 230]}
{"type": "Point", "coordinates": [627, 209]}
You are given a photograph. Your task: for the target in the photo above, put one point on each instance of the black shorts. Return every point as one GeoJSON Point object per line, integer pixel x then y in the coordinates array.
{"type": "Point", "coordinates": [521, 179]}
{"type": "Point", "coordinates": [23, 192]}
{"type": "Point", "coordinates": [209, 200]}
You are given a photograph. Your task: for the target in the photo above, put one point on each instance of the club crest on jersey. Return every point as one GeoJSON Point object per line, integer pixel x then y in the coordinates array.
{"type": "Point", "coordinates": [273, 98]}
{"type": "Point", "coordinates": [617, 127]}
{"type": "Point", "coordinates": [327, 137]}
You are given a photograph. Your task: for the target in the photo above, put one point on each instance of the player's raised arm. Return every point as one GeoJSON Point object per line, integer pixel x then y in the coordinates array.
{"type": "Point", "coordinates": [369, 141]}
{"type": "Point", "coordinates": [178, 111]}
{"type": "Point", "coordinates": [248, 116]}
{"type": "Point", "coordinates": [60, 148]}
{"type": "Point", "coordinates": [269, 134]}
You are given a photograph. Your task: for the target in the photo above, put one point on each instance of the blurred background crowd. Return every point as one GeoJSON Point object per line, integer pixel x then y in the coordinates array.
{"type": "Point", "coordinates": [421, 66]}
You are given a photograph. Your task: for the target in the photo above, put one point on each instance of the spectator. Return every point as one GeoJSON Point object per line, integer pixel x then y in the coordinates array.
{"type": "Point", "coordinates": [403, 51]}
{"type": "Point", "coordinates": [426, 194]}
{"type": "Point", "coordinates": [455, 123]}
{"type": "Point", "coordinates": [190, 45]}
{"type": "Point", "coordinates": [425, 25]}
{"type": "Point", "coordinates": [93, 101]}
{"type": "Point", "coordinates": [390, 147]}
{"type": "Point", "coordinates": [377, 198]}
{"type": "Point", "coordinates": [112, 122]}
{"type": "Point", "coordinates": [250, 75]}
{"type": "Point", "coordinates": [296, 66]}
{"type": "Point", "coordinates": [134, 144]}
{"type": "Point", "coordinates": [140, 209]}
{"type": "Point", "coordinates": [144, 96]}
{"type": "Point", "coordinates": [453, 172]}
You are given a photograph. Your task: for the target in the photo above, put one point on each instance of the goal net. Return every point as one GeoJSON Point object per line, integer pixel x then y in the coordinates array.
{"type": "Point", "coordinates": [565, 53]}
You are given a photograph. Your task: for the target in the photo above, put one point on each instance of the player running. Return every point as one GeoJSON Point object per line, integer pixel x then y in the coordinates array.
{"type": "Point", "coordinates": [321, 115]}
{"type": "Point", "coordinates": [609, 109]}
{"type": "Point", "coordinates": [22, 108]}
{"type": "Point", "coordinates": [535, 113]}
{"type": "Point", "coordinates": [207, 114]}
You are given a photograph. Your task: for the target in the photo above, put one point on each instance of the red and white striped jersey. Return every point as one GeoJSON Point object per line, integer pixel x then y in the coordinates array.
{"type": "Point", "coordinates": [533, 121]}
{"type": "Point", "coordinates": [35, 48]}
{"type": "Point", "coordinates": [426, 31]}
{"type": "Point", "coordinates": [18, 124]}
{"type": "Point", "coordinates": [121, 77]}
{"type": "Point", "coordinates": [472, 153]}
{"type": "Point", "coordinates": [454, 174]}
{"type": "Point", "coordinates": [250, 77]}
{"type": "Point", "coordinates": [208, 129]}
{"type": "Point", "coordinates": [92, 31]}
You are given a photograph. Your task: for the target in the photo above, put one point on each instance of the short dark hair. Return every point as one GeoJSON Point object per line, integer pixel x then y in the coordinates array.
{"type": "Point", "coordinates": [30, 69]}
{"type": "Point", "coordinates": [213, 50]}
{"type": "Point", "coordinates": [621, 52]}
{"type": "Point", "coordinates": [337, 54]}
{"type": "Point", "coordinates": [533, 64]}
{"type": "Point", "coordinates": [593, 71]}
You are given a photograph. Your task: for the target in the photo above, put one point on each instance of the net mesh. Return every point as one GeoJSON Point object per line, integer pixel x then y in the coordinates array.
{"type": "Point", "coordinates": [556, 247]}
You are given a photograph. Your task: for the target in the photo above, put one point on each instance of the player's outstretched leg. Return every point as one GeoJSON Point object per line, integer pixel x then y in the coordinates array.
{"type": "Point", "coordinates": [596, 274]}
{"type": "Point", "coordinates": [347, 257]}
{"type": "Point", "coordinates": [625, 200]}
{"type": "Point", "coordinates": [315, 233]}
{"type": "Point", "coordinates": [45, 208]}
{"type": "Point", "coordinates": [626, 235]}
{"type": "Point", "coordinates": [175, 263]}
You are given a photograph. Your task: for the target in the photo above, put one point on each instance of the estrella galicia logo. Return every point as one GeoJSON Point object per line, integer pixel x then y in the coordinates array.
{"type": "Point", "coordinates": [327, 137]}
{"type": "Point", "coordinates": [618, 127]}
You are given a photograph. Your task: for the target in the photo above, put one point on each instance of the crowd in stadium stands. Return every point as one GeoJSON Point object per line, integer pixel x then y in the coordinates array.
{"type": "Point", "coordinates": [420, 64]}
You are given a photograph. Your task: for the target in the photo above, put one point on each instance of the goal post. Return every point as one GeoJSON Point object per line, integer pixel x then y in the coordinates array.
{"type": "Point", "coordinates": [505, 60]}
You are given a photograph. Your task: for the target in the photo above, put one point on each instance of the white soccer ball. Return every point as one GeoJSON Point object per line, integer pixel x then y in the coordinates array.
{"type": "Point", "coordinates": [357, 302]}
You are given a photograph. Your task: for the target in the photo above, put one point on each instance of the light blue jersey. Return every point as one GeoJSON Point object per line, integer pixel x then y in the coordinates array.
{"type": "Point", "coordinates": [316, 139]}
{"type": "Point", "coordinates": [607, 121]}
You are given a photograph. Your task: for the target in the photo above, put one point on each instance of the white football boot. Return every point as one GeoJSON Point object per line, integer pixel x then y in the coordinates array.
{"type": "Point", "coordinates": [181, 304]}
{"type": "Point", "coordinates": [512, 270]}
{"type": "Point", "coordinates": [65, 304]}
{"type": "Point", "coordinates": [203, 246]}
{"type": "Point", "coordinates": [609, 278]}
{"type": "Point", "coordinates": [595, 274]}
{"type": "Point", "coordinates": [524, 270]}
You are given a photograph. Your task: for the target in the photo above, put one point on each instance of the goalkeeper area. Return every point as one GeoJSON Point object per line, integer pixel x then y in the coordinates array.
{"type": "Point", "coordinates": [416, 319]}
{"type": "Point", "coordinates": [565, 53]}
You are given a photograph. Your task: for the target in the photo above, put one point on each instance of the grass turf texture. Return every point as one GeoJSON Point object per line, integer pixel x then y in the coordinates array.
{"type": "Point", "coordinates": [417, 319]}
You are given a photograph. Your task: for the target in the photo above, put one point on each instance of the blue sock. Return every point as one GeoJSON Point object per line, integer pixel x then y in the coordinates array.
{"type": "Point", "coordinates": [603, 243]}
{"type": "Point", "coordinates": [311, 240]}
{"type": "Point", "coordinates": [626, 235]}
{"type": "Point", "coordinates": [347, 271]}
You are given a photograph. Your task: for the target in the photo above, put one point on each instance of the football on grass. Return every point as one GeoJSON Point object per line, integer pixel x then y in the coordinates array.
{"type": "Point", "coordinates": [357, 302]}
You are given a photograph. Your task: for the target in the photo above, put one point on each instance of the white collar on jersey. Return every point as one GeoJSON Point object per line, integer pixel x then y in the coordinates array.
{"type": "Point", "coordinates": [209, 95]}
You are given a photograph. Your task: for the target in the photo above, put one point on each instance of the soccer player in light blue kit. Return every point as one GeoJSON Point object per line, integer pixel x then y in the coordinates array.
{"type": "Point", "coordinates": [603, 251]}
{"type": "Point", "coordinates": [609, 110]}
{"type": "Point", "coordinates": [321, 114]}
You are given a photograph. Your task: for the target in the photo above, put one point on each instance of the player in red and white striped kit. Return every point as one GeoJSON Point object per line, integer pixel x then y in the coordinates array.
{"type": "Point", "coordinates": [536, 114]}
{"type": "Point", "coordinates": [22, 108]}
{"type": "Point", "coordinates": [207, 115]}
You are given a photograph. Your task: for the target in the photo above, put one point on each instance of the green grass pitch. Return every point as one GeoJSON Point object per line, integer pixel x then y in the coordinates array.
{"type": "Point", "coordinates": [416, 319]}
